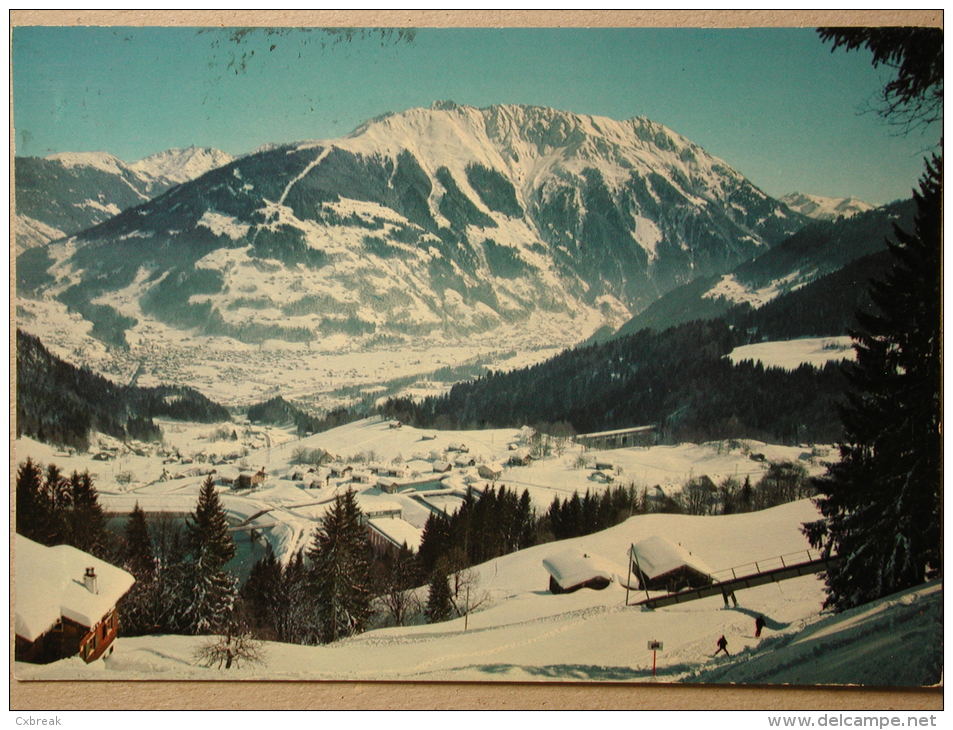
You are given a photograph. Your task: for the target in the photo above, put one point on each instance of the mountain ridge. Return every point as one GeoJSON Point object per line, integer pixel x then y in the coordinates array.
{"type": "Point", "coordinates": [438, 223]}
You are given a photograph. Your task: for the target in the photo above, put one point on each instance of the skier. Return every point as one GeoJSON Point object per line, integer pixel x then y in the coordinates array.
{"type": "Point", "coordinates": [758, 625]}
{"type": "Point", "coordinates": [722, 646]}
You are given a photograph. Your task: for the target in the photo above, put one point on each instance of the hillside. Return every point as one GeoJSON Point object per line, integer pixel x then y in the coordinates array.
{"type": "Point", "coordinates": [679, 380]}
{"type": "Point", "coordinates": [524, 633]}
{"type": "Point", "coordinates": [62, 404]}
{"type": "Point", "coordinates": [825, 268]}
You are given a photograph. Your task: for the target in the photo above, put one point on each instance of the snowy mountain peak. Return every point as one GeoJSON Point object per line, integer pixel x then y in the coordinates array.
{"type": "Point", "coordinates": [179, 165]}
{"type": "Point", "coordinates": [825, 208]}
{"type": "Point", "coordinates": [103, 161]}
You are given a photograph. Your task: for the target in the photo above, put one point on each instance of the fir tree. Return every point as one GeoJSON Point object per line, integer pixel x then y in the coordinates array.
{"type": "Point", "coordinates": [86, 524]}
{"type": "Point", "coordinates": [526, 521]}
{"type": "Point", "coordinates": [138, 605]}
{"type": "Point", "coordinates": [56, 498]}
{"type": "Point", "coordinates": [881, 502]}
{"type": "Point", "coordinates": [439, 603]}
{"type": "Point", "coordinates": [32, 513]}
{"type": "Point", "coordinates": [296, 620]}
{"type": "Point", "coordinates": [169, 584]}
{"type": "Point", "coordinates": [137, 552]}
{"type": "Point", "coordinates": [264, 596]}
{"type": "Point", "coordinates": [207, 590]}
{"type": "Point", "coordinates": [397, 575]}
{"type": "Point", "coordinates": [340, 570]}
{"type": "Point", "coordinates": [434, 541]}
{"type": "Point", "coordinates": [746, 496]}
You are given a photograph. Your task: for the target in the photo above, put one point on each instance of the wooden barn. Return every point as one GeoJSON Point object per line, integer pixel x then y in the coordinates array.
{"type": "Point", "coordinates": [388, 534]}
{"type": "Point", "coordinates": [571, 570]}
{"type": "Point", "coordinates": [660, 565]}
{"type": "Point", "coordinates": [620, 438]}
{"type": "Point", "coordinates": [248, 481]}
{"type": "Point", "coordinates": [490, 471]}
{"type": "Point", "coordinates": [64, 602]}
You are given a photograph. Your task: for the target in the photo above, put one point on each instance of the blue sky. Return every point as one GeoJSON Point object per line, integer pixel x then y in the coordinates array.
{"type": "Point", "coordinates": [776, 104]}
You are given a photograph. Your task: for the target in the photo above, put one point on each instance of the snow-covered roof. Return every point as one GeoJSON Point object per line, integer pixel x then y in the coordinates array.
{"type": "Point", "coordinates": [657, 556]}
{"type": "Point", "coordinates": [419, 466]}
{"type": "Point", "coordinates": [573, 567]}
{"type": "Point", "coordinates": [227, 471]}
{"type": "Point", "coordinates": [370, 504]}
{"type": "Point", "coordinates": [48, 584]}
{"type": "Point", "coordinates": [398, 530]}
{"type": "Point", "coordinates": [616, 432]}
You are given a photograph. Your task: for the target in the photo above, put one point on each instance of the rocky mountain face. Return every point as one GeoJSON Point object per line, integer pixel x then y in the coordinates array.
{"type": "Point", "coordinates": [63, 194]}
{"type": "Point", "coordinates": [821, 208]}
{"type": "Point", "coordinates": [434, 223]}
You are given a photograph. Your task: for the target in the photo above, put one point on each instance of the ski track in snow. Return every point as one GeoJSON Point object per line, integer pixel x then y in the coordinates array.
{"type": "Point", "coordinates": [308, 168]}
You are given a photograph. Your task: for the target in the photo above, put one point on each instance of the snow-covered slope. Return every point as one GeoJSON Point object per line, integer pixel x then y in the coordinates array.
{"type": "Point", "coordinates": [824, 209]}
{"type": "Point", "coordinates": [442, 224]}
{"type": "Point", "coordinates": [30, 232]}
{"type": "Point", "coordinates": [840, 249]}
{"type": "Point", "coordinates": [524, 633]}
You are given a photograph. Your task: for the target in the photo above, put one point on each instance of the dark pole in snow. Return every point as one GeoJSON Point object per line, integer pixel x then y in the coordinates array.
{"type": "Point", "coordinates": [628, 580]}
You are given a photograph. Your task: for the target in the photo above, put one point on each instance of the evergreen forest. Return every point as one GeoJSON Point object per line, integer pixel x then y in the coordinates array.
{"type": "Point", "coordinates": [61, 404]}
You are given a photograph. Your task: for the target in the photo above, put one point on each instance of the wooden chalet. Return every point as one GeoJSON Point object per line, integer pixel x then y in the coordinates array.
{"type": "Point", "coordinates": [660, 565]}
{"type": "Point", "coordinates": [247, 481]}
{"type": "Point", "coordinates": [571, 570]}
{"type": "Point", "coordinates": [64, 602]}
{"type": "Point", "coordinates": [490, 471]}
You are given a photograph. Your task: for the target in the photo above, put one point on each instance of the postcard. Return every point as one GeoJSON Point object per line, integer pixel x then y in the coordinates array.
{"type": "Point", "coordinates": [528, 354]}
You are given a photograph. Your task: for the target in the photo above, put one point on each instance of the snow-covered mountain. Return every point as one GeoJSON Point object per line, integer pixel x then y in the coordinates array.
{"type": "Point", "coordinates": [825, 209]}
{"type": "Point", "coordinates": [180, 165]}
{"type": "Point", "coordinates": [68, 192]}
{"type": "Point", "coordinates": [433, 223]}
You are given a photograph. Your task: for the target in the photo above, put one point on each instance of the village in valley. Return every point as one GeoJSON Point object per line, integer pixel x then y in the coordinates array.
{"type": "Point", "coordinates": [273, 481]}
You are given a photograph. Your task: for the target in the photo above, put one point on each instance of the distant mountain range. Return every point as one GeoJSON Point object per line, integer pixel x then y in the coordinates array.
{"type": "Point", "coordinates": [824, 209]}
{"type": "Point", "coordinates": [436, 223]}
{"type": "Point", "coordinates": [63, 194]}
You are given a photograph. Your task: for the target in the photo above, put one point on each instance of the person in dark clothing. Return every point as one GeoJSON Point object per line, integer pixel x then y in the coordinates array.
{"type": "Point", "coordinates": [722, 646]}
{"type": "Point", "coordinates": [758, 625]}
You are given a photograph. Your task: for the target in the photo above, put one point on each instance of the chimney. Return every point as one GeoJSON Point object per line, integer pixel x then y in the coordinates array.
{"type": "Point", "coordinates": [90, 581]}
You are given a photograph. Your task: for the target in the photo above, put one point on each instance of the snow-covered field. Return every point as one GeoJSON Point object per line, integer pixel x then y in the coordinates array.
{"type": "Point", "coordinates": [791, 354]}
{"type": "Point", "coordinates": [525, 633]}
{"type": "Point", "coordinates": [521, 632]}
